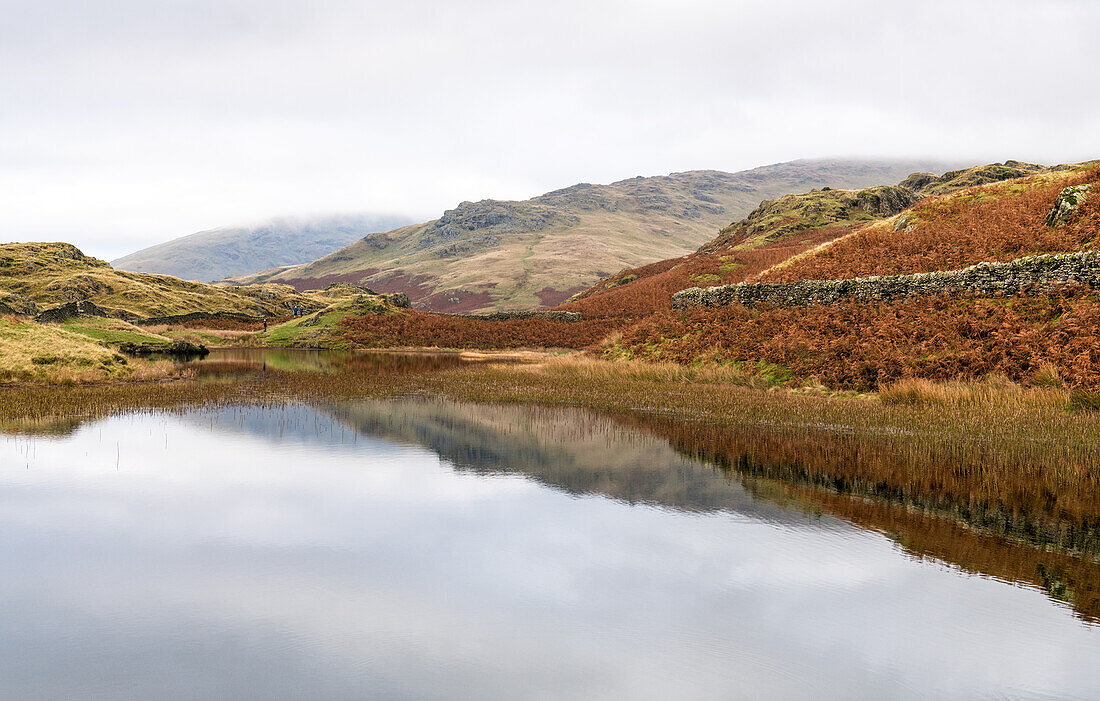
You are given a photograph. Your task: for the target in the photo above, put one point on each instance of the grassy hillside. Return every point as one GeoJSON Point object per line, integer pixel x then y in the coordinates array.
{"type": "Point", "coordinates": [35, 276]}
{"type": "Point", "coordinates": [996, 222]}
{"type": "Point", "coordinates": [219, 253]}
{"type": "Point", "coordinates": [494, 254]}
{"type": "Point", "coordinates": [1047, 338]}
{"type": "Point", "coordinates": [83, 342]}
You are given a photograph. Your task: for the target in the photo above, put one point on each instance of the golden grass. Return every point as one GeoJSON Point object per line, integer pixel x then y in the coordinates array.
{"type": "Point", "coordinates": [991, 456]}
{"type": "Point", "coordinates": [31, 352]}
{"type": "Point", "coordinates": [993, 390]}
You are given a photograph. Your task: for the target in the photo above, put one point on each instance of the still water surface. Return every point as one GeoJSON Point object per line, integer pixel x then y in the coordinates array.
{"type": "Point", "coordinates": [427, 549]}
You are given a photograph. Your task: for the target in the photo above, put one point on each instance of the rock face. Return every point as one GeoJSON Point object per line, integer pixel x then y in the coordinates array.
{"type": "Point", "coordinates": [1021, 276]}
{"type": "Point", "coordinates": [56, 315]}
{"type": "Point", "coordinates": [17, 305]}
{"type": "Point", "coordinates": [1068, 201]}
{"type": "Point", "coordinates": [791, 214]}
{"type": "Point", "coordinates": [473, 225]}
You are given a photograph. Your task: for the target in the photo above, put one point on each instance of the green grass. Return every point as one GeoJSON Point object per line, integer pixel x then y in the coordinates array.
{"type": "Point", "coordinates": [113, 332]}
{"type": "Point", "coordinates": [321, 329]}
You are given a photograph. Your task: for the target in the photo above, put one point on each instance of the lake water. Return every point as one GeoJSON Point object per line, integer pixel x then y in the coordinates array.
{"type": "Point", "coordinates": [428, 549]}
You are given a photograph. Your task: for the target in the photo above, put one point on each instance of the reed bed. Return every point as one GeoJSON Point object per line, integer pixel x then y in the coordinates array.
{"type": "Point", "coordinates": [995, 453]}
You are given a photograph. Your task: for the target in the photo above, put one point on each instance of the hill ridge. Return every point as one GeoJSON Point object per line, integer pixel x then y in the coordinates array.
{"type": "Point", "coordinates": [506, 255]}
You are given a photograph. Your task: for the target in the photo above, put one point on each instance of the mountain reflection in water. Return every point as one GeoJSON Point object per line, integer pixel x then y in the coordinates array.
{"type": "Point", "coordinates": [420, 548]}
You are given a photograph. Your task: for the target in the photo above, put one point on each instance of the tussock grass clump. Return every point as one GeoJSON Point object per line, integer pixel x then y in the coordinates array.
{"type": "Point", "coordinates": [994, 389]}
{"type": "Point", "coordinates": [1084, 400]}
{"type": "Point", "coordinates": [583, 368]}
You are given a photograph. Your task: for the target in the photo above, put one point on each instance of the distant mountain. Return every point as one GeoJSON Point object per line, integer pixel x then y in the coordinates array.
{"type": "Point", "coordinates": [221, 253]}
{"type": "Point", "coordinates": [497, 254]}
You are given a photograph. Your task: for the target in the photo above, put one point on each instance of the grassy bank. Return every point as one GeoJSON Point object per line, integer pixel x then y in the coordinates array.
{"type": "Point", "coordinates": [46, 353]}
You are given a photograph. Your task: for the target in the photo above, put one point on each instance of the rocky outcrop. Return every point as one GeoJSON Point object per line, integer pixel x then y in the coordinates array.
{"type": "Point", "coordinates": [926, 184]}
{"type": "Point", "coordinates": [474, 224]}
{"type": "Point", "coordinates": [344, 289]}
{"type": "Point", "coordinates": [1021, 276]}
{"type": "Point", "coordinates": [1067, 203]}
{"type": "Point", "coordinates": [792, 214]}
{"type": "Point", "coordinates": [582, 196]}
{"type": "Point", "coordinates": [69, 310]}
{"type": "Point", "coordinates": [550, 315]}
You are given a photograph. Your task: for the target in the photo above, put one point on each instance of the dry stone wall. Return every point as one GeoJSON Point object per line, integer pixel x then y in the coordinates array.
{"type": "Point", "coordinates": [1020, 276]}
{"type": "Point", "coordinates": [551, 315]}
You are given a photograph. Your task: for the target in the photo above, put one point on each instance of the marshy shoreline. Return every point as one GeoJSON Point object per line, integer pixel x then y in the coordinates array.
{"type": "Point", "coordinates": [990, 434]}
{"type": "Point", "coordinates": [949, 465]}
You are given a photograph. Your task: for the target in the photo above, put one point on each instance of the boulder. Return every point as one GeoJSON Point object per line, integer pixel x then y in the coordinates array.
{"type": "Point", "coordinates": [1068, 201]}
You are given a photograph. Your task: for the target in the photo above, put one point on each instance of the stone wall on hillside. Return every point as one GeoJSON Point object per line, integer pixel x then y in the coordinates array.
{"type": "Point", "coordinates": [1020, 276]}
{"type": "Point", "coordinates": [198, 316]}
{"type": "Point", "coordinates": [549, 314]}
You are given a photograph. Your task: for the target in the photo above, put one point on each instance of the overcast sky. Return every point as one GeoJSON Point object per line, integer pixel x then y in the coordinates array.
{"type": "Point", "coordinates": [128, 122]}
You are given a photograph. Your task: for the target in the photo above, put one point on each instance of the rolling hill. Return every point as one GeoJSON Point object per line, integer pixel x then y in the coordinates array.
{"type": "Point", "coordinates": [502, 255]}
{"type": "Point", "coordinates": [1021, 328]}
{"type": "Point", "coordinates": [221, 253]}
{"type": "Point", "coordinates": [35, 277]}
{"type": "Point", "coordinates": [65, 316]}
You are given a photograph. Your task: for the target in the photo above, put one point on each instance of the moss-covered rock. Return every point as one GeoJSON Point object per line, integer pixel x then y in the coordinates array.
{"type": "Point", "coordinates": [1067, 203]}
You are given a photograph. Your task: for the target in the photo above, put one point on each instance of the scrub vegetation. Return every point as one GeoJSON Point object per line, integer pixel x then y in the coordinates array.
{"type": "Point", "coordinates": [940, 420]}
